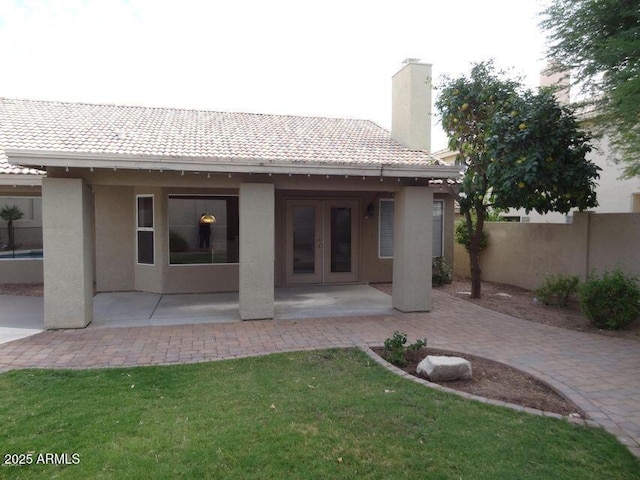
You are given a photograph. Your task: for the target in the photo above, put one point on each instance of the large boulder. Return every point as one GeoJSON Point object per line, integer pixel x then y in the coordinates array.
{"type": "Point", "coordinates": [444, 369]}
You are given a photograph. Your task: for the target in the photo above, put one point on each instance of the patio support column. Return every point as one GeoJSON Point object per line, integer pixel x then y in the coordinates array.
{"type": "Point", "coordinates": [67, 232]}
{"type": "Point", "coordinates": [257, 250]}
{"type": "Point", "coordinates": [412, 249]}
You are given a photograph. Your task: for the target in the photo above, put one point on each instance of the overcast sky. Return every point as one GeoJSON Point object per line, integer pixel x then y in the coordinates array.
{"type": "Point", "coordinates": [329, 58]}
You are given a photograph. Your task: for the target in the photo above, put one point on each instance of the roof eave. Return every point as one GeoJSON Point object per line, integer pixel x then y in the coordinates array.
{"type": "Point", "coordinates": [40, 158]}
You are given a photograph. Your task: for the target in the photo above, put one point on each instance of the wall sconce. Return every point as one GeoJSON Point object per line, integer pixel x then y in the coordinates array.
{"type": "Point", "coordinates": [370, 210]}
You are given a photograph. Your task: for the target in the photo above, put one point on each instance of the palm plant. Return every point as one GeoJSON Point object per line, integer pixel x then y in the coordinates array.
{"type": "Point", "coordinates": [10, 214]}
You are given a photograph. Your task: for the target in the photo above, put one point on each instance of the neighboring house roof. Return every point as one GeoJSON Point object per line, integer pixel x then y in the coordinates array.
{"type": "Point", "coordinates": [185, 136]}
{"type": "Point", "coordinates": [8, 169]}
{"type": "Point", "coordinates": [17, 175]}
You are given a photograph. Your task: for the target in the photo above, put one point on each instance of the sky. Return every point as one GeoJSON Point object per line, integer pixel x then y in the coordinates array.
{"type": "Point", "coordinates": [332, 58]}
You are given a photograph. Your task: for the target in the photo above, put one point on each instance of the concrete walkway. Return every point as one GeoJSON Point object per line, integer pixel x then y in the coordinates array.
{"type": "Point", "coordinates": [600, 374]}
{"type": "Point", "coordinates": [20, 317]}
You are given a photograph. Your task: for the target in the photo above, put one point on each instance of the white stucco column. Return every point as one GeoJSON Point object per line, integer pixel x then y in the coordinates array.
{"type": "Point", "coordinates": [412, 250]}
{"type": "Point", "coordinates": [257, 250]}
{"type": "Point", "coordinates": [67, 233]}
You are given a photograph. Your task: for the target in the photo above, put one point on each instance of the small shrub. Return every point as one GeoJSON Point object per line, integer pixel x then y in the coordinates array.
{"type": "Point", "coordinates": [557, 289]}
{"type": "Point", "coordinates": [395, 348]}
{"type": "Point", "coordinates": [441, 272]}
{"type": "Point", "coordinates": [612, 301]}
{"type": "Point", "coordinates": [461, 235]}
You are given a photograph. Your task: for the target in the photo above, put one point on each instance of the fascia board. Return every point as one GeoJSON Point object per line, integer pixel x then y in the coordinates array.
{"type": "Point", "coordinates": [39, 158]}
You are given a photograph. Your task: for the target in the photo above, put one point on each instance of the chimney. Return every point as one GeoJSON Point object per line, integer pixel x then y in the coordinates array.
{"type": "Point", "coordinates": [561, 81]}
{"type": "Point", "coordinates": [411, 105]}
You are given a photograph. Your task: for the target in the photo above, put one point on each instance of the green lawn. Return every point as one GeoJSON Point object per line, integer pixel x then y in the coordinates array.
{"type": "Point", "coordinates": [310, 415]}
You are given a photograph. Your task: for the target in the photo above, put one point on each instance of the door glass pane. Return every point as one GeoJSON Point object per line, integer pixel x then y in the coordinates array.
{"type": "Point", "coordinates": [304, 236]}
{"type": "Point", "coordinates": [340, 239]}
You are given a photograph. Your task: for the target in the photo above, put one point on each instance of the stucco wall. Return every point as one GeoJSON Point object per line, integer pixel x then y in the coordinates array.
{"type": "Point", "coordinates": [115, 236]}
{"type": "Point", "coordinates": [614, 240]}
{"type": "Point", "coordinates": [522, 254]}
{"type": "Point", "coordinates": [21, 271]}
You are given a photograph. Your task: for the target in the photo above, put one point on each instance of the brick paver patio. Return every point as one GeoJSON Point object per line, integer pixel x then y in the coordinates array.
{"type": "Point", "coordinates": [600, 374]}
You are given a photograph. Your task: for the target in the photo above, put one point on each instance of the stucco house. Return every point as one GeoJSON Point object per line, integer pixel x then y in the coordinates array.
{"type": "Point", "coordinates": [289, 200]}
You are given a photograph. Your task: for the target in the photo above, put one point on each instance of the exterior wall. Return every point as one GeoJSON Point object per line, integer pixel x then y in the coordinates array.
{"type": "Point", "coordinates": [522, 254]}
{"type": "Point", "coordinates": [21, 271]}
{"type": "Point", "coordinates": [373, 268]}
{"type": "Point", "coordinates": [115, 237]}
{"type": "Point", "coordinates": [115, 208]}
{"type": "Point", "coordinates": [614, 241]}
{"type": "Point", "coordinates": [151, 278]}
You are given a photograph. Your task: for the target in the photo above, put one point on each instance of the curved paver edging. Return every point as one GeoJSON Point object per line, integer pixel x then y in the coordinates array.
{"type": "Point", "coordinates": [534, 411]}
{"type": "Point", "coordinates": [398, 371]}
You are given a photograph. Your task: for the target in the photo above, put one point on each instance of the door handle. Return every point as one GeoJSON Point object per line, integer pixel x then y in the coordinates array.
{"type": "Point", "coordinates": [319, 245]}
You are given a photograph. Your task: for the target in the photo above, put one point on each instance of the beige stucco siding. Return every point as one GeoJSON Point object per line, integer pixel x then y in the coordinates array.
{"type": "Point", "coordinates": [115, 236]}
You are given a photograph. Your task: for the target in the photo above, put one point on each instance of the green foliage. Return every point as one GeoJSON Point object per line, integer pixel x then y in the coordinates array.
{"type": "Point", "coordinates": [520, 150]}
{"type": "Point", "coordinates": [557, 289]}
{"type": "Point", "coordinates": [177, 243]}
{"type": "Point", "coordinates": [538, 157]}
{"type": "Point", "coordinates": [11, 213]}
{"type": "Point", "coordinates": [599, 40]}
{"type": "Point", "coordinates": [395, 348]}
{"type": "Point", "coordinates": [461, 235]}
{"type": "Point", "coordinates": [612, 301]}
{"type": "Point", "coordinates": [441, 272]}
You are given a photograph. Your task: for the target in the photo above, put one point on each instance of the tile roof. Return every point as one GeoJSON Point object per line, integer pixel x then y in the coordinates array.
{"type": "Point", "coordinates": [165, 132]}
{"type": "Point", "coordinates": [7, 168]}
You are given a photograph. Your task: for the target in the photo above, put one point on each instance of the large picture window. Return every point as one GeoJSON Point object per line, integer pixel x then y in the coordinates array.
{"type": "Point", "coordinates": [203, 229]}
{"type": "Point", "coordinates": [144, 229]}
{"type": "Point", "coordinates": [385, 228]}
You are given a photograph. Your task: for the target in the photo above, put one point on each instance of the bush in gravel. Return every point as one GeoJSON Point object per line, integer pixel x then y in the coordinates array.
{"type": "Point", "coordinates": [612, 301]}
{"type": "Point", "coordinates": [395, 348]}
{"type": "Point", "coordinates": [441, 272]}
{"type": "Point", "coordinates": [557, 289]}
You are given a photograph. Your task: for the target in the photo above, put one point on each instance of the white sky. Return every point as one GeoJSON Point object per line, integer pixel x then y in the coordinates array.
{"type": "Point", "coordinates": [327, 58]}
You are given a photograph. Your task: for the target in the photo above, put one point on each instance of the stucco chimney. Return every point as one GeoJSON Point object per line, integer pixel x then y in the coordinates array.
{"type": "Point", "coordinates": [561, 81]}
{"type": "Point", "coordinates": [411, 105]}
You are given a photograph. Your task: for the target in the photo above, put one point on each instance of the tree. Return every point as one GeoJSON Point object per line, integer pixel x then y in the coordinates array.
{"type": "Point", "coordinates": [599, 41]}
{"type": "Point", "coordinates": [9, 215]}
{"type": "Point", "coordinates": [520, 149]}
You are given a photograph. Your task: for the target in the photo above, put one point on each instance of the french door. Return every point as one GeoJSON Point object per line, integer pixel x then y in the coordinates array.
{"type": "Point", "coordinates": [321, 241]}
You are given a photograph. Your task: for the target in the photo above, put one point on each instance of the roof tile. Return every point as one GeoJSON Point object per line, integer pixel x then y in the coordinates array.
{"type": "Point", "coordinates": [166, 132]}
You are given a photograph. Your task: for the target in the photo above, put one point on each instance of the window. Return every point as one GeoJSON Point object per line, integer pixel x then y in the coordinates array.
{"type": "Point", "coordinates": [144, 229]}
{"type": "Point", "coordinates": [385, 228]}
{"type": "Point", "coordinates": [194, 241]}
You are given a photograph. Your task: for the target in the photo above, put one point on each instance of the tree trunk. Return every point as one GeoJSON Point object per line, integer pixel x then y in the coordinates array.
{"type": "Point", "coordinates": [474, 250]}
{"type": "Point", "coordinates": [476, 271]}
{"type": "Point", "coordinates": [11, 235]}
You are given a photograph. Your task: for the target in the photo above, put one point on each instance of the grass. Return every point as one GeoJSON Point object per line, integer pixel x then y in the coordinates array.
{"type": "Point", "coordinates": [308, 415]}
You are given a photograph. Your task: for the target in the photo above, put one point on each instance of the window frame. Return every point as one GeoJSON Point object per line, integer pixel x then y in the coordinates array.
{"type": "Point", "coordinates": [391, 200]}
{"type": "Point", "coordinates": [146, 229]}
{"type": "Point", "coordinates": [195, 195]}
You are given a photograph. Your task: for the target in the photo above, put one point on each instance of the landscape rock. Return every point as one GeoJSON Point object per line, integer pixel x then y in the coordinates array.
{"type": "Point", "coordinates": [444, 369]}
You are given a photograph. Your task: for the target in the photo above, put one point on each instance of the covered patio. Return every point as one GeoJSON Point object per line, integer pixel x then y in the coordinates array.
{"type": "Point", "coordinates": [137, 309]}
